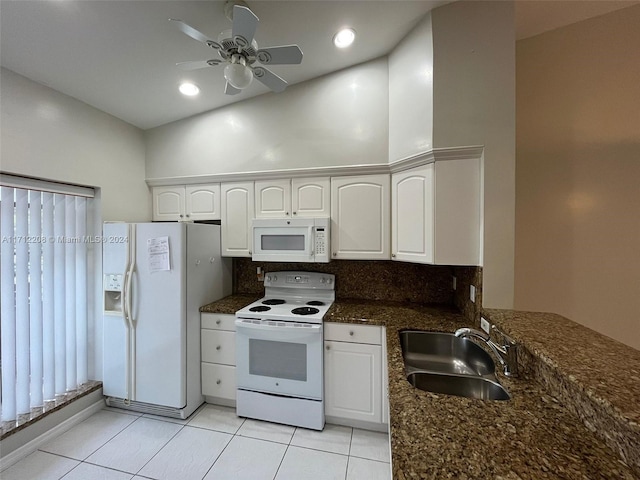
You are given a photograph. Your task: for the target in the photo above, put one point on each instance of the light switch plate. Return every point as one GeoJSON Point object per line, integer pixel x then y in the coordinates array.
{"type": "Point", "coordinates": [472, 293]}
{"type": "Point", "coordinates": [484, 324]}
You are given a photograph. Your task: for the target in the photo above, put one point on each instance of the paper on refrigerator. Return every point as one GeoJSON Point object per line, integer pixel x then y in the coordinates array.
{"type": "Point", "coordinates": [158, 250]}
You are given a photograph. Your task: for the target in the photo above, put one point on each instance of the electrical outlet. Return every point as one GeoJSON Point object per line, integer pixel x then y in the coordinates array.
{"type": "Point", "coordinates": [484, 324]}
{"type": "Point", "coordinates": [472, 293]}
{"type": "Point", "coordinates": [455, 283]}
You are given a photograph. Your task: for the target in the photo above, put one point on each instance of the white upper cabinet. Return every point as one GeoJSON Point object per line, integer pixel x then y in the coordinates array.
{"type": "Point", "coordinates": [186, 203]}
{"type": "Point", "coordinates": [310, 197]}
{"type": "Point", "coordinates": [412, 210]}
{"type": "Point", "coordinates": [237, 204]}
{"type": "Point", "coordinates": [436, 213]}
{"type": "Point", "coordinates": [360, 217]}
{"type": "Point", "coordinates": [298, 197]}
{"type": "Point", "coordinates": [273, 198]}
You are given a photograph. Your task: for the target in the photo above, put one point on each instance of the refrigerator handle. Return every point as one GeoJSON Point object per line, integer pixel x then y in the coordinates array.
{"type": "Point", "coordinates": [130, 305]}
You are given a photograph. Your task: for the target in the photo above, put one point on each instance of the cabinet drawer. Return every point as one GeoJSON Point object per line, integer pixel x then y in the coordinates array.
{"type": "Point", "coordinates": [219, 381]}
{"type": "Point", "coordinates": [218, 321]}
{"type": "Point", "coordinates": [218, 346]}
{"type": "Point", "coordinates": [347, 332]}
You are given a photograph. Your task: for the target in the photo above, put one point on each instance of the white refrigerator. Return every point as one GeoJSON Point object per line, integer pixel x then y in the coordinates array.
{"type": "Point", "coordinates": [155, 278]}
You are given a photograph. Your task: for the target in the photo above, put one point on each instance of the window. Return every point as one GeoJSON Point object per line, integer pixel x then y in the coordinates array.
{"type": "Point", "coordinates": [45, 241]}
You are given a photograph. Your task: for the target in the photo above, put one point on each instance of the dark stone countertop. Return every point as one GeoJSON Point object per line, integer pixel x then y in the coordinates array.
{"type": "Point", "coordinates": [532, 436]}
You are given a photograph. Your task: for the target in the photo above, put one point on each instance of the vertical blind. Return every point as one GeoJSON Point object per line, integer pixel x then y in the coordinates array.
{"type": "Point", "coordinates": [43, 329]}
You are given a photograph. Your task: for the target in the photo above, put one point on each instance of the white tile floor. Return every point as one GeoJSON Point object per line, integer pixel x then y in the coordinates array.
{"type": "Point", "coordinates": [212, 444]}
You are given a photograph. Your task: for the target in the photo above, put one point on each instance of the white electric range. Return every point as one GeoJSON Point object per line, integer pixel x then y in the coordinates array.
{"type": "Point", "coordinates": [279, 350]}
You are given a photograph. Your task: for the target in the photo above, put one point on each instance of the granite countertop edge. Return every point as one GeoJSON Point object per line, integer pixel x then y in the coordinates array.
{"type": "Point", "coordinates": [530, 436]}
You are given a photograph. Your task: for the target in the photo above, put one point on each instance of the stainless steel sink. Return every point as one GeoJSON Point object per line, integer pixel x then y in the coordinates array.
{"type": "Point", "coordinates": [444, 353]}
{"type": "Point", "coordinates": [443, 363]}
{"type": "Point", "coordinates": [461, 385]}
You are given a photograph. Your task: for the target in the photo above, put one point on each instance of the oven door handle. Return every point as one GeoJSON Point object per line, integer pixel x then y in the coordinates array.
{"type": "Point", "coordinates": [277, 328]}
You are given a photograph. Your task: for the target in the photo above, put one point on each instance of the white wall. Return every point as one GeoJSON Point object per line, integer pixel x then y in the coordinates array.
{"type": "Point", "coordinates": [578, 174]}
{"type": "Point", "coordinates": [474, 104]}
{"type": "Point", "coordinates": [49, 135]}
{"type": "Point", "coordinates": [336, 120]}
{"type": "Point", "coordinates": [411, 93]}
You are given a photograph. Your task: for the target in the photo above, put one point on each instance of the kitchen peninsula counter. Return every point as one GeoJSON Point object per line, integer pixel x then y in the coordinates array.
{"type": "Point", "coordinates": [534, 435]}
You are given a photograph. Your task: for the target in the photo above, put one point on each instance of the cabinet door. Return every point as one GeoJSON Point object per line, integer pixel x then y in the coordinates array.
{"type": "Point", "coordinates": [202, 202]}
{"type": "Point", "coordinates": [310, 197]}
{"type": "Point", "coordinates": [168, 204]}
{"type": "Point", "coordinates": [237, 212]}
{"type": "Point", "coordinates": [412, 215]}
{"type": "Point", "coordinates": [273, 198]}
{"type": "Point", "coordinates": [360, 209]}
{"type": "Point", "coordinates": [352, 376]}
{"type": "Point", "coordinates": [458, 212]}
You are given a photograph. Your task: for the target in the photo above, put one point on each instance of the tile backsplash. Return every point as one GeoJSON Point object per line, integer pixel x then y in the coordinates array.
{"type": "Point", "coordinates": [369, 280]}
{"type": "Point", "coordinates": [465, 277]}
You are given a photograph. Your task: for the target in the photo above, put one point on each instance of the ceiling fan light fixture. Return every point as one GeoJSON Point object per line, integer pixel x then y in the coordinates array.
{"type": "Point", "coordinates": [237, 73]}
{"type": "Point", "coordinates": [189, 89]}
{"type": "Point", "coordinates": [344, 37]}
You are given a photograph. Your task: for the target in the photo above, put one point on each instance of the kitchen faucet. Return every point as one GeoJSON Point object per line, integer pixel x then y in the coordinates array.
{"type": "Point", "coordinates": [506, 351]}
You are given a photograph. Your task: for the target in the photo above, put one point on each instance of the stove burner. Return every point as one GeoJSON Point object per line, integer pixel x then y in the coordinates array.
{"type": "Point", "coordinates": [315, 303]}
{"type": "Point", "coordinates": [259, 308]}
{"type": "Point", "coordinates": [304, 311]}
{"type": "Point", "coordinates": [273, 301]}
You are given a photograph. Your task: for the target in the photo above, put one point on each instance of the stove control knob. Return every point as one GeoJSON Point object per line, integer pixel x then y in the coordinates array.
{"type": "Point", "coordinates": [268, 278]}
{"type": "Point", "coordinates": [275, 278]}
{"type": "Point", "coordinates": [329, 281]}
{"type": "Point", "coordinates": [323, 280]}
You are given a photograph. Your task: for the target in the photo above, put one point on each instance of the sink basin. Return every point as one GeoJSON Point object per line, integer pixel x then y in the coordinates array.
{"type": "Point", "coordinates": [460, 385]}
{"type": "Point", "coordinates": [444, 353]}
{"type": "Point", "coordinates": [443, 363]}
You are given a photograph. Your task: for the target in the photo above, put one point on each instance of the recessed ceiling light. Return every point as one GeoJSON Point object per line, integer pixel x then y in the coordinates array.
{"type": "Point", "coordinates": [188, 89]}
{"type": "Point", "coordinates": [344, 37]}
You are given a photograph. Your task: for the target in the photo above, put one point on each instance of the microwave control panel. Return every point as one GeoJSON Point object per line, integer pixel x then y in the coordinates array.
{"type": "Point", "coordinates": [321, 241]}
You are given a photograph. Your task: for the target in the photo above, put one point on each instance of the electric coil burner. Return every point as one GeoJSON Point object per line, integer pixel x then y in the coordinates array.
{"type": "Point", "coordinates": [279, 350]}
{"type": "Point", "coordinates": [304, 311]}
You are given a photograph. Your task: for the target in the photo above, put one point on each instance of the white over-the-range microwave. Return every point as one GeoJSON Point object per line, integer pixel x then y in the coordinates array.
{"type": "Point", "coordinates": [291, 240]}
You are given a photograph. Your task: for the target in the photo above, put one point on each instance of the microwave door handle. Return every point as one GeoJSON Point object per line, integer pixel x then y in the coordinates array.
{"type": "Point", "coordinates": [312, 240]}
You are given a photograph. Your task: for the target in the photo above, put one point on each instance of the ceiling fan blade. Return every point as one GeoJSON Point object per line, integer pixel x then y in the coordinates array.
{"type": "Point", "coordinates": [229, 90]}
{"type": "Point", "coordinates": [195, 34]}
{"type": "Point", "coordinates": [282, 55]}
{"type": "Point", "coordinates": [244, 25]}
{"type": "Point", "coordinates": [198, 64]}
{"type": "Point", "coordinates": [270, 79]}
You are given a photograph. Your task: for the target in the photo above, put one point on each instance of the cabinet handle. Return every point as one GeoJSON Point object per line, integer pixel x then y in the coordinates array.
{"type": "Point", "coordinates": [295, 213]}
{"type": "Point", "coordinates": [328, 347]}
{"type": "Point", "coordinates": [218, 347]}
{"type": "Point", "coordinates": [393, 255]}
{"type": "Point", "coordinates": [187, 215]}
{"type": "Point", "coordinates": [181, 215]}
{"type": "Point", "coordinates": [334, 254]}
{"type": "Point", "coordinates": [218, 382]}
{"type": "Point", "coordinates": [218, 322]}
{"type": "Point", "coordinates": [286, 213]}
{"type": "Point", "coordinates": [250, 252]}
{"type": "Point", "coordinates": [351, 333]}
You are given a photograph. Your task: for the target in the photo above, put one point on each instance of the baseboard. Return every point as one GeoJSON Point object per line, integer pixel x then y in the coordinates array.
{"type": "Point", "coordinates": [347, 422]}
{"type": "Point", "coordinates": [19, 445]}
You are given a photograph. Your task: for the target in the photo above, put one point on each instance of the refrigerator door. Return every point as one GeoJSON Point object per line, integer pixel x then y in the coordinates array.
{"type": "Point", "coordinates": [158, 301]}
{"type": "Point", "coordinates": [114, 263]}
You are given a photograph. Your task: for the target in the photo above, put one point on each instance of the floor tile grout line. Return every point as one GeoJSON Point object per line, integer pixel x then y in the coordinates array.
{"type": "Point", "coordinates": [163, 446]}
{"type": "Point", "coordinates": [219, 455]}
{"type": "Point", "coordinates": [281, 460]}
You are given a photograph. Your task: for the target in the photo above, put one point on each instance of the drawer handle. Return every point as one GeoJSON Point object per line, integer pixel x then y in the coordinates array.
{"type": "Point", "coordinates": [218, 322]}
{"type": "Point", "coordinates": [351, 333]}
{"type": "Point", "coordinates": [218, 382]}
{"type": "Point", "coordinates": [328, 347]}
{"type": "Point", "coordinates": [218, 347]}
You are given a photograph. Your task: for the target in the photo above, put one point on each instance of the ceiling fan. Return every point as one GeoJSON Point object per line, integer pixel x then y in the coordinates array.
{"type": "Point", "coordinates": [238, 49]}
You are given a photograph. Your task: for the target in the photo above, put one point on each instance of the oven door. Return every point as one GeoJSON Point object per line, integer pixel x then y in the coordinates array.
{"type": "Point", "coordinates": [283, 358]}
{"type": "Point", "coordinates": [282, 243]}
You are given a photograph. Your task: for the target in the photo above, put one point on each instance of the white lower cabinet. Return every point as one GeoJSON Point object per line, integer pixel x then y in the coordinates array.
{"type": "Point", "coordinates": [353, 375]}
{"type": "Point", "coordinates": [218, 352]}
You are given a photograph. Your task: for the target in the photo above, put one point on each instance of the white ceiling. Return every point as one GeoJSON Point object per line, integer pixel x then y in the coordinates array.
{"type": "Point", "coordinates": [119, 56]}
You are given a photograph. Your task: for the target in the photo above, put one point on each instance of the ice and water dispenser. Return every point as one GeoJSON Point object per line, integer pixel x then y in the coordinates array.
{"type": "Point", "coordinates": [113, 293]}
